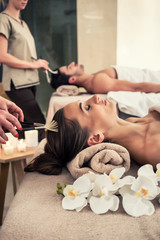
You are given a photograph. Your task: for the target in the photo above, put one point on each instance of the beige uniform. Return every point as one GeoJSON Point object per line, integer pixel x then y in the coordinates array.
{"type": "Point", "coordinates": [21, 45]}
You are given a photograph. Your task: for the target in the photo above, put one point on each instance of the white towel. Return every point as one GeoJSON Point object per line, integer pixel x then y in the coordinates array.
{"type": "Point", "coordinates": [137, 75]}
{"type": "Point", "coordinates": [67, 90]}
{"type": "Point", "coordinates": [134, 103]}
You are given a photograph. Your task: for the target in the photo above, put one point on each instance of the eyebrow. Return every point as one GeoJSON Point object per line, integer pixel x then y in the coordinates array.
{"type": "Point", "coordinates": [80, 106]}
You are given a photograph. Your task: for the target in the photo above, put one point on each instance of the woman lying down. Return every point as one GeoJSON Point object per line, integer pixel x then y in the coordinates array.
{"type": "Point", "coordinates": [82, 124]}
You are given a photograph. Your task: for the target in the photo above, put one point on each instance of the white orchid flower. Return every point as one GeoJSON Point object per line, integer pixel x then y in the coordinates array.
{"type": "Point", "coordinates": [136, 199]}
{"type": "Point", "coordinates": [102, 198]}
{"type": "Point", "coordinates": [76, 194]}
{"type": "Point", "coordinates": [92, 177]}
{"type": "Point", "coordinates": [147, 170]}
{"type": "Point", "coordinates": [115, 176]}
{"type": "Point", "coordinates": [158, 172]}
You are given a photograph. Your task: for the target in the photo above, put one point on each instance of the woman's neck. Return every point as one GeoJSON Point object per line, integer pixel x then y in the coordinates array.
{"type": "Point", "coordinates": [125, 131]}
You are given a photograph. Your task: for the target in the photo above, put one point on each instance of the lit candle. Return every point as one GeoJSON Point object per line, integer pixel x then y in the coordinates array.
{"type": "Point", "coordinates": [21, 146]}
{"type": "Point", "coordinates": [31, 138]}
{"type": "Point", "coordinates": [8, 148]}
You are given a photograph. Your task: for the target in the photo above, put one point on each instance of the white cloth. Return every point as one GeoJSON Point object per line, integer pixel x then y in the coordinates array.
{"type": "Point", "coordinates": [135, 103]}
{"type": "Point", "coordinates": [137, 75]}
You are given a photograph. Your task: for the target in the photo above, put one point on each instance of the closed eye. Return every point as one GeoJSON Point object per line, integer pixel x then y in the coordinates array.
{"type": "Point", "coordinates": [87, 107]}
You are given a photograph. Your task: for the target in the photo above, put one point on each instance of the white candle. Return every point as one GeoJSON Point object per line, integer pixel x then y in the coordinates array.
{"type": "Point", "coordinates": [8, 148]}
{"type": "Point", "coordinates": [12, 140]}
{"type": "Point", "coordinates": [21, 146]}
{"type": "Point", "coordinates": [31, 138]}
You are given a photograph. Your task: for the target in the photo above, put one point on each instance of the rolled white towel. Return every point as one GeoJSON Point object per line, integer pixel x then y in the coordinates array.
{"type": "Point", "coordinates": [67, 90]}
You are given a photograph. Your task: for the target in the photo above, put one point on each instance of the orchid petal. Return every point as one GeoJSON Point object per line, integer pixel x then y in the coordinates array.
{"type": "Point", "coordinates": [78, 209]}
{"type": "Point", "coordinates": [137, 207]}
{"type": "Point", "coordinates": [73, 203]}
{"type": "Point", "coordinates": [115, 203]}
{"type": "Point", "coordinates": [158, 172]}
{"type": "Point", "coordinates": [92, 176]}
{"type": "Point", "coordinates": [101, 182]}
{"type": "Point", "coordinates": [116, 173]}
{"type": "Point", "coordinates": [126, 189]}
{"type": "Point", "coordinates": [142, 183]}
{"type": "Point", "coordinates": [158, 166]}
{"type": "Point", "coordinates": [82, 184]}
{"type": "Point", "coordinates": [146, 170]}
{"type": "Point", "coordinates": [128, 180]}
{"type": "Point", "coordinates": [100, 205]}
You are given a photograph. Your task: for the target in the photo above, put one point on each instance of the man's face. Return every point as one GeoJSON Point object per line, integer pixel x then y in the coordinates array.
{"type": "Point", "coordinates": [72, 69]}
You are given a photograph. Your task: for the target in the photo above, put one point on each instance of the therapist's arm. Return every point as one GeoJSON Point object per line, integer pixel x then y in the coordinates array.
{"type": "Point", "coordinates": [12, 61]}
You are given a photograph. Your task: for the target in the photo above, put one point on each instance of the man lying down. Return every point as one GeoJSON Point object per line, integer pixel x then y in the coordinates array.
{"type": "Point", "coordinates": [79, 125]}
{"type": "Point", "coordinates": [115, 78]}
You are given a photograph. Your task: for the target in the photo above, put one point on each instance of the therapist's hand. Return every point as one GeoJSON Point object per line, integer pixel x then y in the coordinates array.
{"type": "Point", "coordinates": [40, 63]}
{"type": "Point", "coordinates": [10, 115]}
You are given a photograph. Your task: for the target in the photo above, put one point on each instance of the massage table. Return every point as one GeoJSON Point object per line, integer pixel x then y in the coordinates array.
{"type": "Point", "coordinates": [36, 211]}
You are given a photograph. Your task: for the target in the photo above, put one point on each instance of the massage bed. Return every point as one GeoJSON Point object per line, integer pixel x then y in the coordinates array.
{"type": "Point", "coordinates": [36, 211]}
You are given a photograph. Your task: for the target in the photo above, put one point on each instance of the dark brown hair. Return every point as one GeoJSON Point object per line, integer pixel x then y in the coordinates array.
{"type": "Point", "coordinates": [59, 79]}
{"type": "Point", "coordinates": [61, 146]}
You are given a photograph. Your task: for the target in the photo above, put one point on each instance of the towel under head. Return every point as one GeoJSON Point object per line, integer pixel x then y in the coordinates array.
{"type": "Point", "coordinates": [100, 158]}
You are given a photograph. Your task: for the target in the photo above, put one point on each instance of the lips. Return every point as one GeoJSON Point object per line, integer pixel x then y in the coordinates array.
{"type": "Point", "coordinates": [24, 4]}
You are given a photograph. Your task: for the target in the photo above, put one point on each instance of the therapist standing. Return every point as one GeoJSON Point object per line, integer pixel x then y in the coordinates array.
{"type": "Point", "coordinates": [20, 71]}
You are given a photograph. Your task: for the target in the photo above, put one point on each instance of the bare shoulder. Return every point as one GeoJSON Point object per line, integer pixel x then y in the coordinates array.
{"type": "Point", "coordinates": [111, 72]}
{"type": "Point", "coordinates": [152, 150]}
{"type": "Point", "coordinates": [102, 83]}
{"type": "Point", "coordinates": [152, 143]}
{"type": "Point", "coordinates": [146, 148]}
{"type": "Point", "coordinates": [146, 153]}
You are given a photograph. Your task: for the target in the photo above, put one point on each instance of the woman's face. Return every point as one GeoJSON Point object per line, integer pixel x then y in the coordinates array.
{"type": "Point", "coordinates": [95, 114]}
{"type": "Point", "coordinates": [19, 4]}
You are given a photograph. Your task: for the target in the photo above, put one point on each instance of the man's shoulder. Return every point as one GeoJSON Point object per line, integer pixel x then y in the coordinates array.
{"type": "Point", "coordinates": [103, 77]}
{"type": "Point", "coordinates": [108, 72]}
{"type": "Point", "coordinates": [102, 83]}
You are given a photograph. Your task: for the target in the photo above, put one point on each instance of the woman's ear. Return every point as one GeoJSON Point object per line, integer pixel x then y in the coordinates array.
{"type": "Point", "coordinates": [95, 139]}
{"type": "Point", "coordinates": [72, 80]}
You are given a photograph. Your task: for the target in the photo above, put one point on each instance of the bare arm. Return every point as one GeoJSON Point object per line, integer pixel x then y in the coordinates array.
{"type": "Point", "coordinates": [146, 87]}
{"type": "Point", "coordinates": [102, 83]}
{"type": "Point", "coordinates": [14, 62]}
